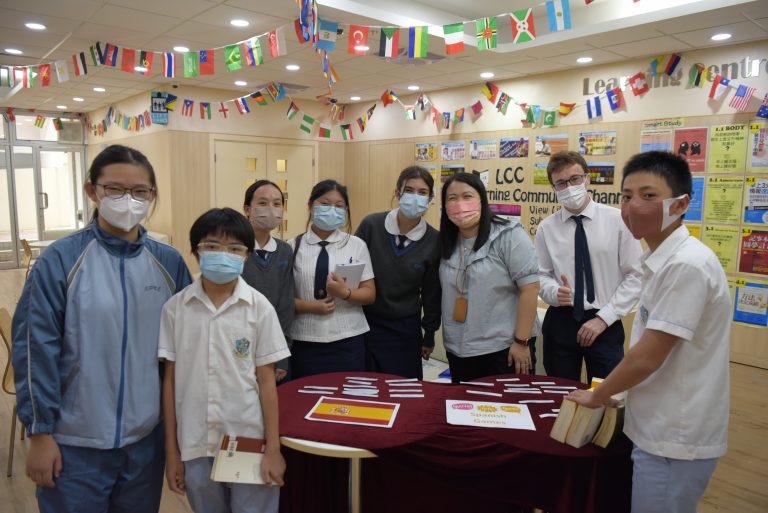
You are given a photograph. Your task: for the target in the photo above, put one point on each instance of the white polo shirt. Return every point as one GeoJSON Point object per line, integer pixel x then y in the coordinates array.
{"type": "Point", "coordinates": [216, 354]}
{"type": "Point", "coordinates": [681, 410]}
{"type": "Point", "coordinates": [348, 320]}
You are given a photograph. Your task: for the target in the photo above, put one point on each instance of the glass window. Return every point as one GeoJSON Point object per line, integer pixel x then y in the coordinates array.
{"type": "Point", "coordinates": [28, 128]}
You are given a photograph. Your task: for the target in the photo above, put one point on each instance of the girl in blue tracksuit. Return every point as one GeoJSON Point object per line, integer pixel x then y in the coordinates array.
{"type": "Point", "coordinates": [85, 338]}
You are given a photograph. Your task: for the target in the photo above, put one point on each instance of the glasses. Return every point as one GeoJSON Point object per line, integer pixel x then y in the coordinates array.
{"type": "Point", "coordinates": [141, 192]}
{"type": "Point", "coordinates": [235, 249]}
{"type": "Point", "coordinates": [561, 185]}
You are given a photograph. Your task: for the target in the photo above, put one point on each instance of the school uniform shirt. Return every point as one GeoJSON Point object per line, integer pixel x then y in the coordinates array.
{"type": "Point", "coordinates": [216, 354]}
{"type": "Point", "coordinates": [613, 251]}
{"type": "Point", "coordinates": [348, 319]}
{"type": "Point", "coordinates": [681, 410]}
{"type": "Point", "coordinates": [495, 274]}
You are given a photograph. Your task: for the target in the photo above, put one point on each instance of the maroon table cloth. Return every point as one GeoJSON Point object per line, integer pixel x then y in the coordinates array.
{"type": "Point", "coordinates": [425, 464]}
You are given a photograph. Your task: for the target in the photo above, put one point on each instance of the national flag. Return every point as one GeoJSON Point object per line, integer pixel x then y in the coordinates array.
{"type": "Point", "coordinates": [719, 86]}
{"type": "Point", "coordinates": [57, 124]}
{"type": "Point", "coordinates": [490, 91]}
{"type": "Point", "coordinates": [96, 55]}
{"type": "Point", "coordinates": [523, 29]}
{"type": "Point", "coordinates": [638, 84]}
{"type": "Point", "coordinates": [762, 111]}
{"type": "Point", "coordinates": [207, 66]}
{"type": "Point", "coordinates": [327, 35]}
{"type": "Point", "coordinates": [205, 110]}
{"type": "Point", "coordinates": [597, 112]}
{"type": "Point", "coordinates": [145, 61]}
{"type": "Point", "coordinates": [370, 111]}
{"type": "Point", "coordinates": [293, 109]}
{"type": "Point", "coordinates": [28, 77]}
{"type": "Point", "coordinates": [477, 108]}
{"type": "Point", "coordinates": [169, 65]}
{"type": "Point", "coordinates": [232, 57]}
{"type": "Point", "coordinates": [276, 43]}
{"type": "Point", "coordinates": [695, 75]}
{"type": "Point", "coordinates": [110, 55]}
{"type": "Point", "coordinates": [566, 108]}
{"type": "Point", "coordinates": [62, 71]}
{"type": "Point", "coordinates": [39, 121]}
{"type": "Point", "coordinates": [242, 106]}
{"type": "Point", "coordinates": [8, 73]}
{"type": "Point", "coordinates": [299, 32]}
{"type": "Point", "coordinates": [81, 68]}
{"type": "Point", "coordinates": [128, 62]}
{"type": "Point", "coordinates": [741, 98]}
{"type": "Point", "coordinates": [324, 131]}
{"type": "Point", "coordinates": [361, 122]}
{"type": "Point", "coordinates": [417, 42]}
{"type": "Point", "coordinates": [252, 49]}
{"type": "Point", "coordinates": [259, 97]}
{"type": "Point", "coordinates": [276, 91]}
{"type": "Point", "coordinates": [191, 64]}
{"type": "Point", "coordinates": [346, 132]}
{"type": "Point", "coordinates": [358, 40]}
{"type": "Point", "coordinates": [436, 115]}
{"type": "Point", "coordinates": [550, 116]}
{"type": "Point", "coordinates": [389, 42]}
{"type": "Point", "coordinates": [410, 112]}
{"type": "Point", "coordinates": [454, 38]}
{"type": "Point", "coordinates": [446, 120]}
{"type": "Point", "coordinates": [531, 115]}
{"type": "Point", "coordinates": [307, 122]}
{"type": "Point", "coordinates": [223, 110]}
{"type": "Point", "coordinates": [656, 65]}
{"type": "Point", "coordinates": [10, 115]}
{"type": "Point", "coordinates": [387, 97]}
{"type": "Point", "coordinates": [487, 32]}
{"type": "Point", "coordinates": [458, 116]}
{"type": "Point", "coordinates": [614, 97]}
{"type": "Point", "coordinates": [148, 119]}
{"type": "Point", "coordinates": [44, 70]}
{"type": "Point", "coordinates": [503, 103]}
{"type": "Point", "coordinates": [674, 60]}
{"type": "Point", "coordinates": [559, 15]}
{"type": "Point", "coordinates": [187, 109]}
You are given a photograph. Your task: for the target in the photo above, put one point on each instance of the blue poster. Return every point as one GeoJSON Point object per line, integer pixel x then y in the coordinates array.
{"type": "Point", "coordinates": [751, 305]}
{"type": "Point", "coordinates": [158, 109]}
{"type": "Point", "coordinates": [697, 200]}
{"type": "Point", "coordinates": [756, 203]}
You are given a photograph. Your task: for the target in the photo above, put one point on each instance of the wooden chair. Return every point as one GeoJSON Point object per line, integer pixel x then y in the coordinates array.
{"type": "Point", "coordinates": [28, 257]}
{"type": "Point", "coordinates": [8, 384]}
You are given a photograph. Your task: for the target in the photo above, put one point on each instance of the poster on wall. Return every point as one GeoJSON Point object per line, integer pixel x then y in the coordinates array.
{"type": "Point", "coordinates": [754, 251]}
{"type": "Point", "coordinates": [432, 170]}
{"type": "Point", "coordinates": [482, 149]}
{"type": "Point", "coordinates": [540, 174]}
{"type": "Point", "coordinates": [691, 144]}
{"type": "Point", "coordinates": [694, 212]}
{"type": "Point", "coordinates": [426, 152]}
{"type": "Point", "coordinates": [656, 140]}
{"type": "Point", "coordinates": [751, 305]}
{"type": "Point", "coordinates": [597, 143]}
{"type": "Point", "coordinates": [448, 170]}
{"type": "Point", "coordinates": [513, 148]}
{"type": "Point", "coordinates": [546, 145]}
{"type": "Point", "coordinates": [724, 242]}
{"type": "Point", "coordinates": [756, 200]}
{"type": "Point", "coordinates": [601, 173]}
{"type": "Point", "coordinates": [158, 110]}
{"type": "Point", "coordinates": [758, 147]}
{"type": "Point", "coordinates": [694, 230]}
{"type": "Point", "coordinates": [722, 199]}
{"type": "Point", "coordinates": [506, 211]}
{"type": "Point", "coordinates": [454, 150]}
{"type": "Point", "coordinates": [727, 149]}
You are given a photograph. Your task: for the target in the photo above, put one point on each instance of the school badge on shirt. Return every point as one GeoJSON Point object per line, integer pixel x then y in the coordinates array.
{"type": "Point", "coordinates": [242, 349]}
{"type": "Point", "coordinates": [643, 315]}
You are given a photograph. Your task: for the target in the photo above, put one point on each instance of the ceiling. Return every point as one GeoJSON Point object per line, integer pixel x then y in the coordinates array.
{"type": "Point", "coordinates": [606, 30]}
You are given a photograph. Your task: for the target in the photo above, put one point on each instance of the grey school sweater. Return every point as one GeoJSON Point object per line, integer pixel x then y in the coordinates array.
{"type": "Point", "coordinates": [406, 279]}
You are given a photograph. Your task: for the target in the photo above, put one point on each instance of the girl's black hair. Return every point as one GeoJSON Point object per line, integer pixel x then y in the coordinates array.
{"type": "Point", "coordinates": [449, 231]}
{"type": "Point", "coordinates": [251, 190]}
{"type": "Point", "coordinates": [119, 154]}
{"type": "Point", "coordinates": [325, 186]}
{"type": "Point", "coordinates": [222, 221]}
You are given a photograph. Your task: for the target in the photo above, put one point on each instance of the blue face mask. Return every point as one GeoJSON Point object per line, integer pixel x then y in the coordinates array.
{"type": "Point", "coordinates": [220, 267]}
{"type": "Point", "coordinates": [413, 206]}
{"type": "Point", "coordinates": [328, 218]}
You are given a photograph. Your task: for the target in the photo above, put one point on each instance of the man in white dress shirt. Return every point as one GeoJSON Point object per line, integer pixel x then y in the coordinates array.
{"type": "Point", "coordinates": [589, 270]}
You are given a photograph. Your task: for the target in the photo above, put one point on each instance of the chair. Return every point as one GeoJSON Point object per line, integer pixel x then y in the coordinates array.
{"type": "Point", "coordinates": [28, 257]}
{"type": "Point", "coordinates": [8, 384]}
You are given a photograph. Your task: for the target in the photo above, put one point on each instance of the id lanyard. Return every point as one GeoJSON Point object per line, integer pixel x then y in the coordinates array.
{"type": "Point", "coordinates": [461, 304]}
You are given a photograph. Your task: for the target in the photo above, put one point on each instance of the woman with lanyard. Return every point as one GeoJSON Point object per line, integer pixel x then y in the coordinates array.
{"type": "Point", "coordinates": [329, 325]}
{"type": "Point", "coordinates": [85, 338]}
{"type": "Point", "coordinates": [405, 247]}
{"type": "Point", "coordinates": [269, 269]}
{"type": "Point", "coordinates": [489, 277]}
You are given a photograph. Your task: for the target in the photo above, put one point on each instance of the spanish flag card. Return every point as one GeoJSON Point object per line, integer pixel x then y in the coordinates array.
{"type": "Point", "coordinates": [352, 411]}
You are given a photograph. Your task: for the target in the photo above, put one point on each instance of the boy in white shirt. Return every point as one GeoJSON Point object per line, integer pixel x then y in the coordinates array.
{"type": "Point", "coordinates": [220, 339]}
{"type": "Point", "coordinates": [676, 372]}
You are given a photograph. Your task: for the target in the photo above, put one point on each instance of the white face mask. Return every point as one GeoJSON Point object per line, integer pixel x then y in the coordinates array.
{"type": "Point", "coordinates": [123, 213]}
{"type": "Point", "coordinates": [667, 218]}
{"type": "Point", "coordinates": [572, 197]}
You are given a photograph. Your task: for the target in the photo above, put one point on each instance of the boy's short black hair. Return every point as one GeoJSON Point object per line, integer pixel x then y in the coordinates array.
{"type": "Point", "coordinates": [673, 168]}
{"type": "Point", "coordinates": [222, 221]}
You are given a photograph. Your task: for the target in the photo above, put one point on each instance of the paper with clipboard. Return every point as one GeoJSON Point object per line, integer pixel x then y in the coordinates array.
{"type": "Point", "coordinates": [351, 272]}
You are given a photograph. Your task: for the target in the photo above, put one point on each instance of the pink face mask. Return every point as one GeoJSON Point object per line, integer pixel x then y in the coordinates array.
{"type": "Point", "coordinates": [464, 214]}
{"type": "Point", "coordinates": [644, 218]}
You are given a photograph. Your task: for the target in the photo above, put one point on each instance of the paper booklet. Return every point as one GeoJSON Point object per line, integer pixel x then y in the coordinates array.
{"type": "Point", "coordinates": [351, 273]}
{"type": "Point", "coordinates": [239, 460]}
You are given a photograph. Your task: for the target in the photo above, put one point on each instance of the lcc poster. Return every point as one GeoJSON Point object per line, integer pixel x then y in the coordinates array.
{"type": "Point", "coordinates": [751, 305]}
{"type": "Point", "coordinates": [728, 149]}
{"type": "Point", "coordinates": [754, 251]}
{"type": "Point", "coordinates": [691, 144]}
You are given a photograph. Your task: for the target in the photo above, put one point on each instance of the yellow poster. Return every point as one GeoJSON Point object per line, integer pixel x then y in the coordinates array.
{"type": "Point", "coordinates": [731, 286]}
{"type": "Point", "coordinates": [728, 148]}
{"type": "Point", "coordinates": [722, 199]}
{"type": "Point", "coordinates": [694, 230]}
{"type": "Point", "coordinates": [724, 241]}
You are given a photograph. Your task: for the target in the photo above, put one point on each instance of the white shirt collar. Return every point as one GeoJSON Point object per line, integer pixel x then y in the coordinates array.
{"type": "Point", "coordinates": [588, 212]}
{"type": "Point", "coordinates": [270, 246]}
{"type": "Point", "coordinates": [653, 260]}
{"type": "Point", "coordinates": [336, 236]}
{"type": "Point", "coordinates": [241, 293]}
{"type": "Point", "coordinates": [390, 224]}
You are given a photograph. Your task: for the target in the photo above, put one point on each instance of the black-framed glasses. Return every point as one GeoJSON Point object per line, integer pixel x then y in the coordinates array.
{"type": "Point", "coordinates": [235, 249]}
{"type": "Point", "coordinates": [140, 192]}
{"type": "Point", "coordinates": [561, 185]}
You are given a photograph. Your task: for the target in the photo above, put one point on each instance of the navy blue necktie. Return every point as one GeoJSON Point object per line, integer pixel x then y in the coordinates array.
{"type": "Point", "coordinates": [401, 239]}
{"type": "Point", "coordinates": [262, 254]}
{"type": "Point", "coordinates": [583, 270]}
{"type": "Point", "coordinates": [321, 271]}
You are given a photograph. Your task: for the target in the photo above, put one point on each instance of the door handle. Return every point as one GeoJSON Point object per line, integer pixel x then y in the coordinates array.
{"type": "Point", "coordinates": [45, 200]}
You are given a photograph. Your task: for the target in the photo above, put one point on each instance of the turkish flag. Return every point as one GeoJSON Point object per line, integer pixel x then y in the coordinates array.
{"type": "Point", "coordinates": [358, 40]}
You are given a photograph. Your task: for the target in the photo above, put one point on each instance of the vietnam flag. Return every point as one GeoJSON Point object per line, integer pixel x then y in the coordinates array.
{"type": "Point", "coordinates": [350, 411]}
{"type": "Point", "coordinates": [129, 60]}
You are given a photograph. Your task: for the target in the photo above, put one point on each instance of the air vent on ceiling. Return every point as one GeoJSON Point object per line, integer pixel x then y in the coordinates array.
{"type": "Point", "coordinates": [403, 60]}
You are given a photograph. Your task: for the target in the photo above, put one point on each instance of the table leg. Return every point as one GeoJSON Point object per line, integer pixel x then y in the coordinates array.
{"type": "Point", "coordinates": [355, 467]}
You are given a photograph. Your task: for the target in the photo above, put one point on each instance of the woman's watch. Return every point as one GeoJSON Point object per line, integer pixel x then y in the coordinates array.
{"type": "Point", "coordinates": [522, 341]}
